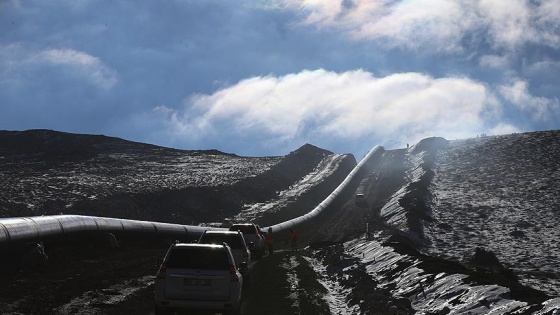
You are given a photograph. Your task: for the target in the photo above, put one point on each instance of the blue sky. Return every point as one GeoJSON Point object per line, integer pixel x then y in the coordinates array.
{"type": "Point", "coordinates": [260, 78]}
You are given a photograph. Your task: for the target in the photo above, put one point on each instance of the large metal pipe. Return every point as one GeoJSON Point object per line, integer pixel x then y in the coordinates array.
{"type": "Point", "coordinates": [28, 229]}
{"type": "Point", "coordinates": [284, 226]}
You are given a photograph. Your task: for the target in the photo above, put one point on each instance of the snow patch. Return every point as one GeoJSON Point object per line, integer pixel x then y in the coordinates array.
{"type": "Point", "coordinates": [293, 281]}
{"type": "Point", "coordinates": [337, 294]}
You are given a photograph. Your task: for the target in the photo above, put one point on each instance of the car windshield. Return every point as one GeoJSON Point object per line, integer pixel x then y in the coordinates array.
{"type": "Point", "coordinates": [198, 258]}
{"type": "Point", "coordinates": [233, 240]}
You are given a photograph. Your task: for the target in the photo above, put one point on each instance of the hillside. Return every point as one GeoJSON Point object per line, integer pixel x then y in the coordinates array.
{"type": "Point", "coordinates": [47, 172]}
{"type": "Point", "coordinates": [493, 192]}
{"type": "Point", "coordinates": [455, 226]}
{"type": "Point", "coordinates": [484, 210]}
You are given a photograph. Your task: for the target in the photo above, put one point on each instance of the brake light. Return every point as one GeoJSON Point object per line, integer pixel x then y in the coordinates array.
{"type": "Point", "coordinates": [161, 271]}
{"type": "Point", "coordinates": [233, 272]}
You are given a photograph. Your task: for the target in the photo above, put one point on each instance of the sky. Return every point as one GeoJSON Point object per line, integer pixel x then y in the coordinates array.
{"type": "Point", "coordinates": [264, 77]}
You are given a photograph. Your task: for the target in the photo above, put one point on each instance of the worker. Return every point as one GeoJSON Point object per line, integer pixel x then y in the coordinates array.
{"type": "Point", "coordinates": [270, 241]}
{"type": "Point", "coordinates": [293, 239]}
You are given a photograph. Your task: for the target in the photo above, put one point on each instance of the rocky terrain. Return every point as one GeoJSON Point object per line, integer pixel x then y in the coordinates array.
{"type": "Point", "coordinates": [475, 220]}
{"type": "Point", "coordinates": [447, 227]}
{"type": "Point", "coordinates": [512, 209]}
{"type": "Point", "coordinates": [45, 172]}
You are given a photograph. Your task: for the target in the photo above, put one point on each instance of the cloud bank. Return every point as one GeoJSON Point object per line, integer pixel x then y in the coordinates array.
{"type": "Point", "coordinates": [446, 25]}
{"type": "Point", "coordinates": [331, 109]}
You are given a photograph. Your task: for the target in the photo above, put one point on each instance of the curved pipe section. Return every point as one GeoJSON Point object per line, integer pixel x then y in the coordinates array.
{"type": "Point", "coordinates": [372, 154]}
{"type": "Point", "coordinates": [23, 229]}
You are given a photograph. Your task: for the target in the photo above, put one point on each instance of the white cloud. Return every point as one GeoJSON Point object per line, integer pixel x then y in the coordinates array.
{"type": "Point", "coordinates": [543, 67]}
{"type": "Point", "coordinates": [509, 21]}
{"type": "Point", "coordinates": [494, 61]}
{"type": "Point", "coordinates": [548, 17]}
{"type": "Point", "coordinates": [19, 64]}
{"type": "Point", "coordinates": [70, 57]}
{"type": "Point", "coordinates": [82, 64]}
{"type": "Point", "coordinates": [319, 106]}
{"type": "Point", "coordinates": [439, 25]}
{"type": "Point", "coordinates": [503, 129]}
{"type": "Point", "coordinates": [518, 94]}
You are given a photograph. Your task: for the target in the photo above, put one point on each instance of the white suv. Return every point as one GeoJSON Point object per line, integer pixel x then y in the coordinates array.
{"type": "Point", "coordinates": [198, 276]}
{"type": "Point", "coordinates": [236, 242]}
{"type": "Point", "coordinates": [252, 234]}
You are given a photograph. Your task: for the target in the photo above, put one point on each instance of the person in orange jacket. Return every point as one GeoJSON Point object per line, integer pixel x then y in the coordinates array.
{"type": "Point", "coordinates": [270, 241]}
{"type": "Point", "coordinates": [293, 239]}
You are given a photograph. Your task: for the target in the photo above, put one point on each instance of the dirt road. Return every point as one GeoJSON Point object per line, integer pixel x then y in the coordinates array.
{"type": "Point", "coordinates": [79, 280]}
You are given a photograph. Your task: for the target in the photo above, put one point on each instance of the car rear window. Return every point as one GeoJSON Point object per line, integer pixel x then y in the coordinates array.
{"type": "Point", "coordinates": [233, 240]}
{"type": "Point", "coordinates": [198, 258]}
{"type": "Point", "coordinates": [245, 229]}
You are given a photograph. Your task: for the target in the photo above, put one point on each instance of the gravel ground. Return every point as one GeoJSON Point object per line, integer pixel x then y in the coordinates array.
{"type": "Point", "coordinates": [79, 280]}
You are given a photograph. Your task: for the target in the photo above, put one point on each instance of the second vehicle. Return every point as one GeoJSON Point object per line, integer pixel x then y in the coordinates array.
{"type": "Point", "coordinates": [236, 242]}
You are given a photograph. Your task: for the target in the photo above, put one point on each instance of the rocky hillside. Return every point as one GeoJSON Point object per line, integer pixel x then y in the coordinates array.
{"type": "Point", "coordinates": [47, 172]}
{"type": "Point", "coordinates": [455, 227]}
{"type": "Point", "coordinates": [484, 208]}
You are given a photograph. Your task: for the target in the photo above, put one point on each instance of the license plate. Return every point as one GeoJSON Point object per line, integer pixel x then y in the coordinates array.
{"type": "Point", "coordinates": [197, 282]}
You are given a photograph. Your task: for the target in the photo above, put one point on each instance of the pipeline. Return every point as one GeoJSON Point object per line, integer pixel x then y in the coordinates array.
{"type": "Point", "coordinates": [27, 229]}
{"type": "Point", "coordinates": [284, 226]}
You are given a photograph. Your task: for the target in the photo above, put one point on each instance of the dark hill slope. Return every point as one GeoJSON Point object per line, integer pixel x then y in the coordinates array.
{"type": "Point", "coordinates": [48, 172]}
{"type": "Point", "coordinates": [450, 199]}
{"type": "Point", "coordinates": [41, 144]}
{"type": "Point", "coordinates": [500, 193]}
{"type": "Point", "coordinates": [205, 204]}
